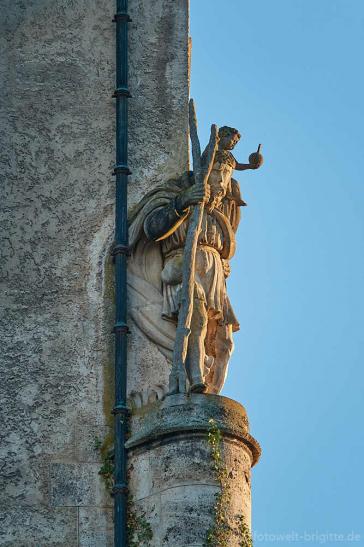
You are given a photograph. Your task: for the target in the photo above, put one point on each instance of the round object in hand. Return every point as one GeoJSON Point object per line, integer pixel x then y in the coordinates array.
{"type": "Point", "coordinates": [256, 160]}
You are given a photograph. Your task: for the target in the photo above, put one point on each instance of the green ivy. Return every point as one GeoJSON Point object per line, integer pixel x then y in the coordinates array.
{"type": "Point", "coordinates": [140, 531]}
{"type": "Point", "coordinates": [107, 468]}
{"type": "Point", "coordinates": [220, 533]}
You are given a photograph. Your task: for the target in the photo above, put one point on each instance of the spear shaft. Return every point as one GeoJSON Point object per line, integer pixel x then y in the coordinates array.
{"type": "Point", "coordinates": [201, 174]}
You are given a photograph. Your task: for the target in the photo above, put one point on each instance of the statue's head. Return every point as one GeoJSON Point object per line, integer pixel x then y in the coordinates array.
{"type": "Point", "coordinates": [228, 137]}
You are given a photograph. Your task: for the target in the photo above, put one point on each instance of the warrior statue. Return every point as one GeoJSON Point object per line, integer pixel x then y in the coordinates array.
{"type": "Point", "coordinates": [158, 228]}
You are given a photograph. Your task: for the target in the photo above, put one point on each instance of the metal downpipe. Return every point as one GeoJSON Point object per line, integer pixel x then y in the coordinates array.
{"type": "Point", "coordinates": [120, 251]}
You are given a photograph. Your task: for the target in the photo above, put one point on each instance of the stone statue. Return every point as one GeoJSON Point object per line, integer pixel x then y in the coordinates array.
{"type": "Point", "coordinates": [157, 234]}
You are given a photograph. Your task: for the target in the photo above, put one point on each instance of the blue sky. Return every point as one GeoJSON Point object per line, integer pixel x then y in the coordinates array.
{"type": "Point", "coordinates": [289, 74]}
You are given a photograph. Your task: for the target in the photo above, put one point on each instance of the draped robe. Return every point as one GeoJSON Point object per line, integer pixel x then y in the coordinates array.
{"type": "Point", "coordinates": [155, 267]}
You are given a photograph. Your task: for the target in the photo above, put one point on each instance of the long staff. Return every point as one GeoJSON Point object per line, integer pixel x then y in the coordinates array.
{"type": "Point", "coordinates": [177, 381]}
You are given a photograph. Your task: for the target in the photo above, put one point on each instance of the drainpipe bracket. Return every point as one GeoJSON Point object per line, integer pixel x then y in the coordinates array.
{"type": "Point", "coordinates": [121, 92]}
{"type": "Point", "coordinates": [120, 249]}
{"type": "Point", "coordinates": [119, 489]}
{"type": "Point", "coordinates": [121, 327]}
{"type": "Point", "coordinates": [121, 168]}
{"type": "Point", "coordinates": [122, 17]}
{"type": "Point", "coordinates": [121, 409]}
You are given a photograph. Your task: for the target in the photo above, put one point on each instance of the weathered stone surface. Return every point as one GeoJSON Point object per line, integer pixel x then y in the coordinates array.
{"type": "Point", "coordinates": [57, 195]}
{"type": "Point", "coordinates": [191, 414]}
{"type": "Point", "coordinates": [95, 527]}
{"type": "Point", "coordinates": [77, 484]}
{"type": "Point", "coordinates": [158, 137]}
{"type": "Point", "coordinates": [172, 477]}
{"type": "Point", "coordinates": [88, 438]}
{"type": "Point", "coordinates": [39, 527]}
{"type": "Point", "coordinates": [159, 84]}
{"type": "Point", "coordinates": [57, 151]}
{"type": "Point", "coordinates": [187, 515]}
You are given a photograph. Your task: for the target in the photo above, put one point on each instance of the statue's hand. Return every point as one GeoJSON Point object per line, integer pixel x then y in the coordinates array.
{"type": "Point", "coordinates": [197, 193]}
{"type": "Point", "coordinates": [226, 267]}
{"type": "Point", "coordinates": [256, 160]}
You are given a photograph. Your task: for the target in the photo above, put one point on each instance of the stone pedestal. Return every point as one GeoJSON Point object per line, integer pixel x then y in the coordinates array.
{"type": "Point", "coordinates": [172, 476]}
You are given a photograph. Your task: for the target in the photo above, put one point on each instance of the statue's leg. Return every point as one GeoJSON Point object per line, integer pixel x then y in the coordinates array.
{"type": "Point", "coordinates": [224, 346]}
{"type": "Point", "coordinates": [210, 339]}
{"type": "Point", "coordinates": [196, 343]}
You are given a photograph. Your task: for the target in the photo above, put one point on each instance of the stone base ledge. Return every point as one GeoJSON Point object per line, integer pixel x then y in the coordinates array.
{"type": "Point", "coordinates": [191, 415]}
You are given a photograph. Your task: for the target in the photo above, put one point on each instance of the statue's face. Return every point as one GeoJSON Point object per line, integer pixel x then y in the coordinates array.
{"type": "Point", "coordinates": [228, 142]}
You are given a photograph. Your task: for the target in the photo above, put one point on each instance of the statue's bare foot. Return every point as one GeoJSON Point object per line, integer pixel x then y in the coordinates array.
{"type": "Point", "coordinates": [198, 388]}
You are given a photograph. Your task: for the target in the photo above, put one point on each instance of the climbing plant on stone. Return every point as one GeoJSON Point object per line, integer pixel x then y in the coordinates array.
{"type": "Point", "coordinates": [221, 532]}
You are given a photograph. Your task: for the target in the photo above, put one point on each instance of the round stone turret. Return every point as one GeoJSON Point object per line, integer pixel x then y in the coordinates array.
{"type": "Point", "coordinates": [185, 453]}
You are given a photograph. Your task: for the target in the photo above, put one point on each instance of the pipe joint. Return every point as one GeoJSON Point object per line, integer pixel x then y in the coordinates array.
{"type": "Point", "coordinates": [121, 92]}
{"type": "Point", "coordinates": [121, 328]}
{"type": "Point", "coordinates": [121, 16]}
{"type": "Point", "coordinates": [122, 169]}
{"type": "Point", "coordinates": [121, 409]}
{"type": "Point", "coordinates": [120, 249]}
{"type": "Point", "coordinates": [119, 489]}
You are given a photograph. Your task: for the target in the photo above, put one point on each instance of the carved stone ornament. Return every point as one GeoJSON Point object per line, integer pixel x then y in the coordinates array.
{"type": "Point", "coordinates": [182, 237]}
